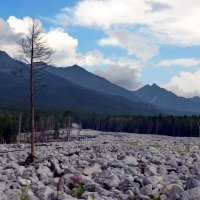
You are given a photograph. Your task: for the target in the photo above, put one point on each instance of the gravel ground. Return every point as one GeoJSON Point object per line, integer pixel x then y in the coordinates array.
{"type": "Point", "coordinates": [104, 166]}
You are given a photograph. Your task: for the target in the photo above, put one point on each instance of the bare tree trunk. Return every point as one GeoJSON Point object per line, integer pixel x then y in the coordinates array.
{"type": "Point", "coordinates": [36, 55]}
{"type": "Point", "coordinates": [32, 99]}
{"type": "Point", "coordinates": [19, 127]}
{"type": "Point", "coordinates": [191, 128]}
{"type": "Point", "coordinates": [32, 127]}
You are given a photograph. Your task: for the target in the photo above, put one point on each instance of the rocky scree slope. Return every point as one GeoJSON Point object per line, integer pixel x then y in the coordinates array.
{"type": "Point", "coordinates": [108, 166]}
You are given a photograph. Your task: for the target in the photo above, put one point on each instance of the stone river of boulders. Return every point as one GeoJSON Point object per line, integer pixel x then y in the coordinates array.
{"type": "Point", "coordinates": [105, 166]}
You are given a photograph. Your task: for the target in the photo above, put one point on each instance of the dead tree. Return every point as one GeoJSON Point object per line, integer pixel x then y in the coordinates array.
{"type": "Point", "coordinates": [199, 128]}
{"type": "Point", "coordinates": [35, 55]}
{"type": "Point", "coordinates": [68, 116]}
{"type": "Point", "coordinates": [19, 127]}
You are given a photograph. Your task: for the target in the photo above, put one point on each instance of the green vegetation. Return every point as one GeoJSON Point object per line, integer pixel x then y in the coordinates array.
{"type": "Point", "coordinates": [156, 145]}
{"type": "Point", "coordinates": [93, 196]}
{"type": "Point", "coordinates": [79, 190]}
{"type": "Point", "coordinates": [157, 198]}
{"type": "Point", "coordinates": [119, 197]}
{"type": "Point", "coordinates": [162, 125]}
{"type": "Point", "coordinates": [8, 127]}
{"type": "Point", "coordinates": [77, 184]}
{"type": "Point", "coordinates": [187, 148]}
{"type": "Point", "coordinates": [56, 131]}
{"type": "Point", "coordinates": [24, 195]}
{"type": "Point", "coordinates": [134, 196]}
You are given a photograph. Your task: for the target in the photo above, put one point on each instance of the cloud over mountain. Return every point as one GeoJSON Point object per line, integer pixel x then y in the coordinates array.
{"type": "Point", "coordinates": [64, 45]}
{"type": "Point", "coordinates": [185, 84]}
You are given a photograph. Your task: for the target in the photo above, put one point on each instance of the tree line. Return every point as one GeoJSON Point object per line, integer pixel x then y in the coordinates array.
{"type": "Point", "coordinates": [183, 126]}
{"type": "Point", "coordinates": [12, 123]}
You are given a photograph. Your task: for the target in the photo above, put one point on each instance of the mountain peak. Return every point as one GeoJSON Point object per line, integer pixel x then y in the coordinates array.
{"type": "Point", "coordinates": [155, 86]}
{"type": "Point", "coordinates": [3, 53]}
{"type": "Point", "coordinates": [76, 66]}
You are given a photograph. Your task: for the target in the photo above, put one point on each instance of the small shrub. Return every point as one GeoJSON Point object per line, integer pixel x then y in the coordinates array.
{"type": "Point", "coordinates": [187, 148]}
{"type": "Point", "coordinates": [93, 196]}
{"type": "Point", "coordinates": [119, 197]}
{"type": "Point", "coordinates": [133, 196]}
{"type": "Point", "coordinates": [24, 195]}
{"type": "Point", "coordinates": [156, 145]}
{"type": "Point", "coordinates": [75, 180]}
{"type": "Point", "coordinates": [79, 190]}
{"type": "Point", "coordinates": [157, 198]}
{"type": "Point", "coordinates": [77, 184]}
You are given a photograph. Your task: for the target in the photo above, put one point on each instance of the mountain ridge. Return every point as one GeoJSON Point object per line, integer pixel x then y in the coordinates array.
{"type": "Point", "coordinates": [75, 88]}
{"type": "Point", "coordinates": [92, 81]}
{"type": "Point", "coordinates": [61, 94]}
{"type": "Point", "coordinates": [167, 100]}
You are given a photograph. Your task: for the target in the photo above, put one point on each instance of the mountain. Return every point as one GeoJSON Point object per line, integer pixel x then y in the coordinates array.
{"type": "Point", "coordinates": [195, 99]}
{"type": "Point", "coordinates": [7, 64]}
{"type": "Point", "coordinates": [80, 76]}
{"type": "Point", "coordinates": [168, 101]}
{"type": "Point", "coordinates": [62, 94]}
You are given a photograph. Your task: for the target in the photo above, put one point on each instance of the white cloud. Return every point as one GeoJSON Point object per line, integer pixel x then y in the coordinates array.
{"type": "Point", "coordinates": [157, 6]}
{"type": "Point", "coordinates": [66, 54]}
{"type": "Point", "coordinates": [124, 76]}
{"type": "Point", "coordinates": [18, 25]}
{"type": "Point", "coordinates": [134, 44]}
{"type": "Point", "coordinates": [62, 43]}
{"type": "Point", "coordinates": [8, 38]}
{"type": "Point", "coordinates": [185, 84]}
{"type": "Point", "coordinates": [168, 21]}
{"type": "Point", "coordinates": [183, 62]}
{"type": "Point", "coordinates": [88, 60]}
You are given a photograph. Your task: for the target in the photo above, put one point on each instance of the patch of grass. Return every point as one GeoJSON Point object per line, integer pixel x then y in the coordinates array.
{"type": "Point", "coordinates": [77, 183]}
{"type": "Point", "coordinates": [177, 149]}
{"type": "Point", "coordinates": [187, 148]}
{"type": "Point", "coordinates": [79, 190]}
{"type": "Point", "coordinates": [132, 143]}
{"type": "Point", "coordinates": [134, 196]}
{"type": "Point", "coordinates": [24, 195]}
{"type": "Point", "coordinates": [157, 198]}
{"type": "Point", "coordinates": [93, 196]}
{"type": "Point", "coordinates": [156, 145]}
{"type": "Point", "coordinates": [119, 197]}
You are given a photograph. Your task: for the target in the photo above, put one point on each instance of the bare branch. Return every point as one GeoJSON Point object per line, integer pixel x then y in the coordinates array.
{"type": "Point", "coordinates": [35, 55]}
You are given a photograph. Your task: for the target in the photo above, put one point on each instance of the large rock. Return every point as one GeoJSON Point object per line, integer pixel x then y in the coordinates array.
{"type": "Point", "coordinates": [130, 160]}
{"type": "Point", "coordinates": [13, 194]}
{"type": "Point", "coordinates": [175, 192]}
{"type": "Point", "coordinates": [150, 170]}
{"type": "Point", "coordinates": [193, 194]}
{"type": "Point", "coordinates": [108, 180]}
{"type": "Point", "coordinates": [192, 183]}
{"type": "Point", "coordinates": [96, 168]}
{"type": "Point", "coordinates": [154, 180]}
{"type": "Point", "coordinates": [44, 172]}
{"type": "Point", "coordinates": [146, 190]}
{"type": "Point", "coordinates": [24, 182]}
{"type": "Point", "coordinates": [45, 193]}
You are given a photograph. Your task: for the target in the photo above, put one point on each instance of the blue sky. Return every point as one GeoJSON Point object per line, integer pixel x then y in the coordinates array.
{"type": "Point", "coordinates": [129, 42]}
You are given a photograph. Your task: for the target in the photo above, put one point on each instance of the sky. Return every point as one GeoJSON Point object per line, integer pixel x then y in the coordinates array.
{"type": "Point", "coordinates": [129, 42]}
